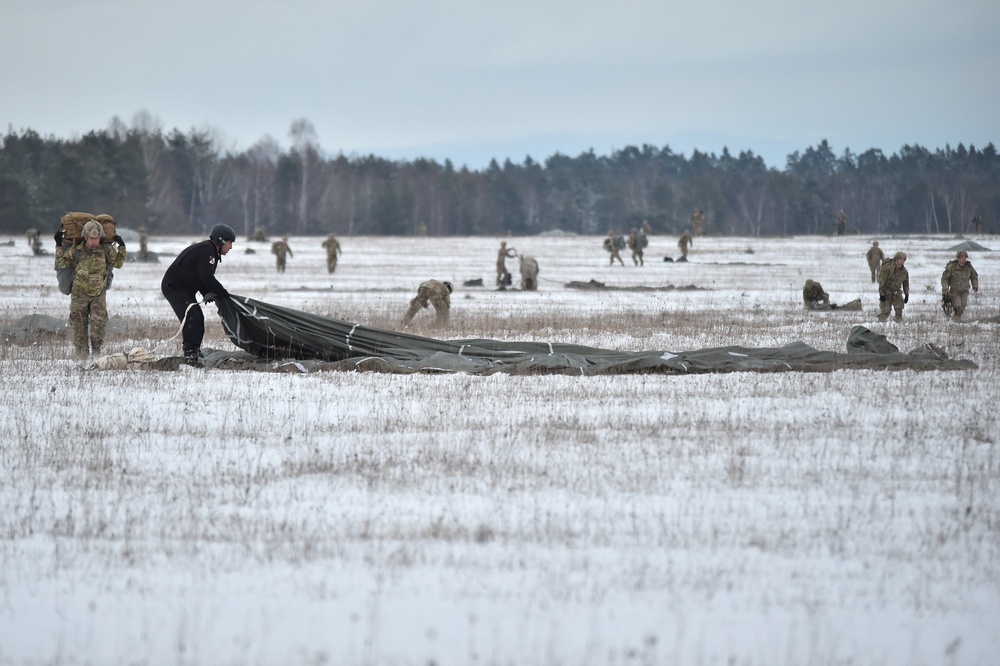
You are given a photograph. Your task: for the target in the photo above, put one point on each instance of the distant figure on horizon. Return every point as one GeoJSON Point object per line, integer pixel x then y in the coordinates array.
{"type": "Point", "coordinates": [698, 221]}
{"type": "Point", "coordinates": [683, 243]}
{"type": "Point", "coordinates": [841, 222]}
{"type": "Point", "coordinates": [503, 276]}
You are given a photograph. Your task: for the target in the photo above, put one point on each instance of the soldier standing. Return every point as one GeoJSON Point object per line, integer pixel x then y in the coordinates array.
{"type": "Point", "coordinates": [841, 222]}
{"type": "Point", "coordinates": [92, 263]}
{"type": "Point", "coordinates": [875, 257]}
{"type": "Point", "coordinates": [698, 221]}
{"type": "Point", "coordinates": [280, 250]}
{"type": "Point", "coordinates": [433, 293]}
{"type": "Point", "coordinates": [143, 247]}
{"type": "Point", "coordinates": [192, 271]}
{"type": "Point", "coordinates": [529, 273]}
{"type": "Point", "coordinates": [958, 275]}
{"type": "Point", "coordinates": [503, 277]}
{"type": "Point", "coordinates": [813, 296]}
{"type": "Point", "coordinates": [683, 243]}
{"type": "Point", "coordinates": [332, 247]}
{"type": "Point", "coordinates": [893, 287]}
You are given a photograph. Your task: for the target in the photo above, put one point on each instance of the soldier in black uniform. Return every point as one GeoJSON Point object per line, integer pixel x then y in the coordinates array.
{"type": "Point", "coordinates": [192, 271]}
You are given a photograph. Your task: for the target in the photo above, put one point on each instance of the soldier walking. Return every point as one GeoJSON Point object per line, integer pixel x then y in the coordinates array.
{"type": "Point", "coordinates": [636, 242]}
{"type": "Point", "coordinates": [683, 243]}
{"type": "Point", "coordinates": [875, 257]}
{"type": "Point", "coordinates": [612, 244]}
{"type": "Point", "coordinates": [958, 275]}
{"type": "Point", "coordinates": [332, 247]}
{"type": "Point", "coordinates": [280, 250]}
{"type": "Point", "coordinates": [893, 287]}
{"type": "Point", "coordinates": [92, 262]}
{"type": "Point", "coordinates": [430, 293]}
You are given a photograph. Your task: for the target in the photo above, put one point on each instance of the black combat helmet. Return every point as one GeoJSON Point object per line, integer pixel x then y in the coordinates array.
{"type": "Point", "coordinates": [222, 233]}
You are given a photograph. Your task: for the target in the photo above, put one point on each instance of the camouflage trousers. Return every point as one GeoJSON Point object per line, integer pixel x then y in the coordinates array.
{"type": "Point", "coordinates": [423, 299]}
{"type": "Point", "coordinates": [281, 264]}
{"type": "Point", "coordinates": [873, 267]}
{"type": "Point", "coordinates": [959, 300]}
{"type": "Point", "coordinates": [88, 315]}
{"type": "Point", "coordinates": [331, 263]}
{"type": "Point", "coordinates": [891, 301]}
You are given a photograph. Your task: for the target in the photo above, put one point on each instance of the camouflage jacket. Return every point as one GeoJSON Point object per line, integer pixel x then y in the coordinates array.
{"type": "Point", "coordinates": [875, 256]}
{"type": "Point", "coordinates": [280, 249]}
{"type": "Point", "coordinates": [332, 246]}
{"type": "Point", "coordinates": [892, 278]}
{"type": "Point", "coordinates": [91, 267]}
{"type": "Point", "coordinates": [436, 292]}
{"type": "Point", "coordinates": [957, 278]}
{"type": "Point", "coordinates": [813, 293]}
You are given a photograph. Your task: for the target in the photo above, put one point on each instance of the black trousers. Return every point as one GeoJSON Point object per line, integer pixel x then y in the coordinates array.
{"type": "Point", "coordinates": [194, 325]}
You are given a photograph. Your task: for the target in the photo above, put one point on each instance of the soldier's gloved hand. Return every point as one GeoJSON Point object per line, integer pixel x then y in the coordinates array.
{"type": "Point", "coordinates": [118, 239]}
{"type": "Point", "coordinates": [881, 297]}
{"type": "Point", "coordinates": [209, 297]}
{"type": "Point", "coordinates": [59, 235]}
{"type": "Point", "coordinates": [906, 298]}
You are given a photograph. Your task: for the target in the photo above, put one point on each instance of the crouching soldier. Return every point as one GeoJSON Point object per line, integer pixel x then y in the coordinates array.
{"type": "Point", "coordinates": [958, 275]}
{"type": "Point", "coordinates": [429, 293]}
{"type": "Point", "coordinates": [92, 263]}
{"type": "Point", "coordinates": [813, 296]}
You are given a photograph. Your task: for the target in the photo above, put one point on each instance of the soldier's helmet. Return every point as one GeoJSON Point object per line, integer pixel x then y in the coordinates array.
{"type": "Point", "coordinates": [448, 286]}
{"type": "Point", "coordinates": [503, 243]}
{"type": "Point", "coordinates": [809, 283]}
{"type": "Point", "coordinates": [900, 255]}
{"type": "Point", "coordinates": [221, 233]}
{"type": "Point", "coordinates": [962, 253]}
{"type": "Point", "coordinates": [874, 243]}
{"type": "Point", "coordinates": [93, 229]}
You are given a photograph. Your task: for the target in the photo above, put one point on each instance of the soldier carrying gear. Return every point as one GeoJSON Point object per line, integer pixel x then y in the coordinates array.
{"type": "Point", "coordinates": [893, 287]}
{"type": "Point", "coordinates": [91, 265]}
{"type": "Point", "coordinates": [958, 275]}
{"type": "Point", "coordinates": [429, 293]}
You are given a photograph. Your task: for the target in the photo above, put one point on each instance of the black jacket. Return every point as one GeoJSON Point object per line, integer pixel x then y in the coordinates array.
{"type": "Point", "coordinates": [194, 270]}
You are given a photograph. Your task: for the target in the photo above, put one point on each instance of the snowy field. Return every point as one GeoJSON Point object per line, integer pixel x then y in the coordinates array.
{"type": "Point", "coordinates": [223, 517]}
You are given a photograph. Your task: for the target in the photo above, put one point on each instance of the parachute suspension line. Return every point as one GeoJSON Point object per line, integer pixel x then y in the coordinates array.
{"type": "Point", "coordinates": [180, 329]}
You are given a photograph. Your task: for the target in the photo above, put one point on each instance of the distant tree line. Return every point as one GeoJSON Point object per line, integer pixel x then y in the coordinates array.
{"type": "Point", "coordinates": [183, 183]}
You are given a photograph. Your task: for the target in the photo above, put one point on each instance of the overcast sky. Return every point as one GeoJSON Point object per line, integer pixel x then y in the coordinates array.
{"type": "Point", "coordinates": [470, 80]}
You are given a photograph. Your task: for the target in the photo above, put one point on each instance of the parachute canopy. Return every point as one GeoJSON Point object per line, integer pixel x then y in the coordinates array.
{"type": "Point", "coordinates": [269, 333]}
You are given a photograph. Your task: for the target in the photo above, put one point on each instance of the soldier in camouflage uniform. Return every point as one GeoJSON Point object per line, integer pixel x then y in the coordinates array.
{"type": "Point", "coordinates": [875, 257]}
{"type": "Point", "coordinates": [683, 243]}
{"type": "Point", "coordinates": [698, 221]}
{"type": "Point", "coordinates": [280, 250]}
{"type": "Point", "coordinates": [332, 247]}
{"type": "Point", "coordinates": [636, 242]}
{"type": "Point", "coordinates": [433, 293]}
{"type": "Point", "coordinates": [611, 244]}
{"type": "Point", "coordinates": [88, 307]}
{"type": "Point", "coordinates": [893, 287]}
{"type": "Point", "coordinates": [503, 276]}
{"type": "Point", "coordinates": [955, 281]}
{"type": "Point", "coordinates": [813, 296]}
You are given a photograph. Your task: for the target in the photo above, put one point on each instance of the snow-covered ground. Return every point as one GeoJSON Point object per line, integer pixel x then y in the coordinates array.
{"type": "Point", "coordinates": [221, 517]}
